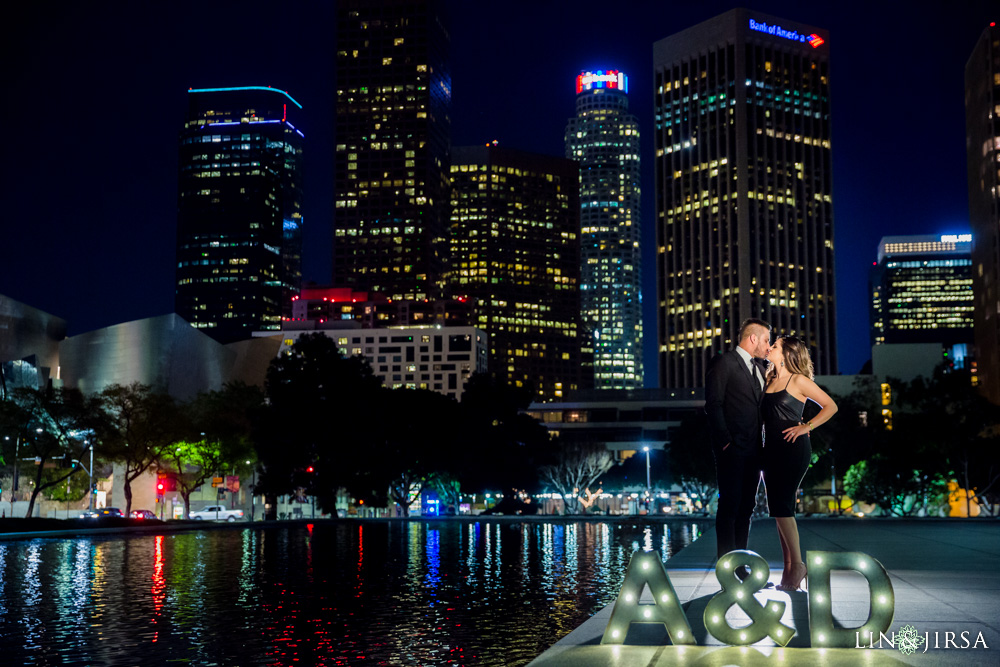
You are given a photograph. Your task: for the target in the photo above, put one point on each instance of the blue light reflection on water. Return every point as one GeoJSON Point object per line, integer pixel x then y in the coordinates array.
{"type": "Point", "coordinates": [388, 593]}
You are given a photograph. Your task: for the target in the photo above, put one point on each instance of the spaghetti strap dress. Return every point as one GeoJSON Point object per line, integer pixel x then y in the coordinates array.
{"type": "Point", "coordinates": [785, 463]}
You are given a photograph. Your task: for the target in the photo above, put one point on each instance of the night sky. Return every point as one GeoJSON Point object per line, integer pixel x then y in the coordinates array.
{"type": "Point", "coordinates": [95, 94]}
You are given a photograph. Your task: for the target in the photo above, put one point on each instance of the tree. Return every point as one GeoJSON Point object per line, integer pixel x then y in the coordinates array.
{"type": "Point", "coordinates": [191, 463]}
{"type": "Point", "coordinates": [321, 409]}
{"type": "Point", "coordinates": [852, 435]}
{"type": "Point", "coordinates": [578, 466]}
{"type": "Point", "coordinates": [941, 429]}
{"type": "Point", "coordinates": [960, 428]}
{"type": "Point", "coordinates": [691, 461]}
{"type": "Point", "coordinates": [219, 438]}
{"type": "Point", "coordinates": [895, 482]}
{"type": "Point", "coordinates": [448, 489]}
{"type": "Point", "coordinates": [509, 446]}
{"type": "Point", "coordinates": [54, 427]}
{"type": "Point", "coordinates": [141, 427]}
{"type": "Point", "coordinates": [421, 440]}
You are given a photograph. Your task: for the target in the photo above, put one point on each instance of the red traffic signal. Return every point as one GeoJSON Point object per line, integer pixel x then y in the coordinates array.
{"type": "Point", "coordinates": [310, 469]}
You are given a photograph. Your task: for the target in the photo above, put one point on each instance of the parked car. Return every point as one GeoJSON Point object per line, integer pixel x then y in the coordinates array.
{"type": "Point", "coordinates": [217, 513]}
{"type": "Point", "coordinates": [143, 514]}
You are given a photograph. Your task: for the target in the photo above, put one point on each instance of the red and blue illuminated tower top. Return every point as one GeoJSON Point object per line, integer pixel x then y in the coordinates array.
{"type": "Point", "coordinates": [611, 79]}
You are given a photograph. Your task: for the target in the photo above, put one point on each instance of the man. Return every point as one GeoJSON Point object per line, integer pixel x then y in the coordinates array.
{"type": "Point", "coordinates": [734, 385]}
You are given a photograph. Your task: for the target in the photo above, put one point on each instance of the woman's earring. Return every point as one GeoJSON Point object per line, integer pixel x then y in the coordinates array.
{"type": "Point", "coordinates": [782, 364]}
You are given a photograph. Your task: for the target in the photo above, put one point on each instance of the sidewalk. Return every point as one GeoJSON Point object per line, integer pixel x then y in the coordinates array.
{"type": "Point", "coordinates": [945, 574]}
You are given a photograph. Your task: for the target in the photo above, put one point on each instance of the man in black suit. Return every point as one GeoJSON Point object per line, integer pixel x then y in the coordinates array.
{"type": "Point", "coordinates": [734, 385]}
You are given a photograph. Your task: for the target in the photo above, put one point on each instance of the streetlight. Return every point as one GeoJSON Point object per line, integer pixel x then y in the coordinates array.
{"type": "Point", "coordinates": [17, 446]}
{"type": "Point", "coordinates": [253, 496]}
{"type": "Point", "coordinates": [648, 491]}
{"type": "Point", "coordinates": [90, 474]}
{"type": "Point", "coordinates": [833, 480]}
{"type": "Point", "coordinates": [646, 449]}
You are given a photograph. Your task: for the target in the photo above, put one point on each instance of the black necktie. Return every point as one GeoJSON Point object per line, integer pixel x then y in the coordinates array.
{"type": "Point", "coordinates": [753, 378]}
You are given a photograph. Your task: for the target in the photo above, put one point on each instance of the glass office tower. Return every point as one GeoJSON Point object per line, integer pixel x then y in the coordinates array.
{"type": "Point", "coordinates": [603, 138]}
{"type": "Point", "coordinates": [744, 204]}
{"type": "Point", "coordinates": [515, 250]}
{"type": "Point", "coordinates": [392, 140]}
{"type": "Point", "coordinates": [982, 126]}
{"type": "Point", "coordinates": [921, 289]}
{"type": "Point", "coordinates": [239, 222]}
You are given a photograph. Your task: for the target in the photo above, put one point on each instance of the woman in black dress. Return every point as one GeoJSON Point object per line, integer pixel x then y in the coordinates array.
{"type": "Point", "coordinates": [787, 450]}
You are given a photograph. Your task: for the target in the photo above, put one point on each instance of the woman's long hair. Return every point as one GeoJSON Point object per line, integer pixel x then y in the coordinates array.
{"type": "Point", "coordinates": [797, 359]}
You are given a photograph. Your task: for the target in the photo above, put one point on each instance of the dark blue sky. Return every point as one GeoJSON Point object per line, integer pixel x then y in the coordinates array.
{"type": "Point", "coordinates": [94, 97]}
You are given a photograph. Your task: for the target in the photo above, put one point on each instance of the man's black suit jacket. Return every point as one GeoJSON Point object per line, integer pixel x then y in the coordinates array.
{"type": "Point", "coordinates": [732, 405]}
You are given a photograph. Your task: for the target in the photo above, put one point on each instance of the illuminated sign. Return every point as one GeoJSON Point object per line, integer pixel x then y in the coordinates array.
{"type": "Point", "coordinates": [646, 570]}
{"type": "Point", "coordinates": [956, 238]}
{"type": "Point", "coordinates": [813, 40]}
{"type": "Point", "coordinates": [612, 79]}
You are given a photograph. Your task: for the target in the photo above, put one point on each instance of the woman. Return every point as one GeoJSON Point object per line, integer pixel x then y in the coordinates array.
{"type": "Point", "coordinates": [787, 451]}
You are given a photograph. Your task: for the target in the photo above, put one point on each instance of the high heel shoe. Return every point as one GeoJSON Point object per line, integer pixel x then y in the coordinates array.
{"type": "Point", "coordinates": [794, 573]}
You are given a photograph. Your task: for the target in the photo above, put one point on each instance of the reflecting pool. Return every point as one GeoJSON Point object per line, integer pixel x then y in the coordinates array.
{"type": "Point", "coordinates": [491, 592]}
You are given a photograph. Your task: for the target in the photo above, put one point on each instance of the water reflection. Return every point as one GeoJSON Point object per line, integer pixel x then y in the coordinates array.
{"type": "Point", "coordinates": [399, 593]}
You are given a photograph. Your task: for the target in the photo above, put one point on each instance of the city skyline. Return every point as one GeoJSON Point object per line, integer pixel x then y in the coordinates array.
{"type": "Point", "coordinates": [85, 190]}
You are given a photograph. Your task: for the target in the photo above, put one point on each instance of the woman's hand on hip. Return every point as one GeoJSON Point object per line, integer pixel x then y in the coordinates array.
{"type": "Point", "coordinates": [792, 434]}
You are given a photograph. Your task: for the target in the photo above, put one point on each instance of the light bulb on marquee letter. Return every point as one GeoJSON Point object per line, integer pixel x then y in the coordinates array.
{"type": "Point", "coordinates": [646, 569]}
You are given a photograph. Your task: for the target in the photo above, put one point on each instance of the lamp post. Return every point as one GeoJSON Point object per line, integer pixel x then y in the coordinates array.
{"type": "Point", "coordinates": [646, 449]}
{"type": "Point", "coordinates": [648, 485]}
{"type": "Point", "coordinates": [90, 473]}
{"type": "Point", "coordinates": [253, 498]}
{"type": "Point", "coordinates": [833, 481]}
{"type": "Point", "coordinates": [17, 447]}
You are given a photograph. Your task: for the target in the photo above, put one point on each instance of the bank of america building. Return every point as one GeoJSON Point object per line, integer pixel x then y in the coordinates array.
{"type": "Point", "coordinates": [743, 189]}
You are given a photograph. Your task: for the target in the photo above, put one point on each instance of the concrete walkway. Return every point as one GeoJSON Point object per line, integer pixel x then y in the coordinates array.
{"type": "Point", "coordinates": [945, 575]}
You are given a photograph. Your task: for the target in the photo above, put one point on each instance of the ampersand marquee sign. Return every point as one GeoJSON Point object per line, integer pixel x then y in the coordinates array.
{"type": "Point", "coordinates": [646, 569]}
{"type": "Point", "coordinates": [765, 620]}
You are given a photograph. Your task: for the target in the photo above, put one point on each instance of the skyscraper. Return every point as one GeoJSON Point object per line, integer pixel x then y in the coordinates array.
{"type": "Point", "coordinates": [604, 138]}
{"type": "Point", "coordinates": [239, 222]}
{"type": "Point", "coordinates": [744, 212]}
{"type": "Point", "coordinates": [515, 249]}
{"type": "Point", "coordinates": [391, 156]}
{"type": "Point", "coordinates": [982, 126]}
{"type": "Point", "coordinates": [921, 289]}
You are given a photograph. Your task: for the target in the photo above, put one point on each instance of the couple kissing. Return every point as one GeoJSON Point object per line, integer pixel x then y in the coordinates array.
{"type": "Point", "coordinates": [755, 395]}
